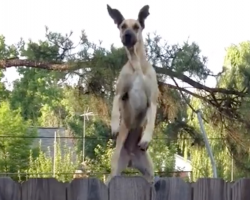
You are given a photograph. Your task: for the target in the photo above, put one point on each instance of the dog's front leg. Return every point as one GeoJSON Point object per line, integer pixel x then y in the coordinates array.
{"type": "Point", "coordinates": [115, 116]}
{"type": "Point", "coordinates": [149, 129]}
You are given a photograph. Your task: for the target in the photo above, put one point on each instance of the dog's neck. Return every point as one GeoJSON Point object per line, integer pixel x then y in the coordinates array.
{"type": "Point", "coordinates": [137, 52]}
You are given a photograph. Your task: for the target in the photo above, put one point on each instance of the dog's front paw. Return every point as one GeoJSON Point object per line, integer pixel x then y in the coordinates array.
{"type": "Point", "coordinates": [115, 128]}
{"type": "Point", "coordinates": [144, 142]}
{"type": "Point", "coordinates": [114, 135]}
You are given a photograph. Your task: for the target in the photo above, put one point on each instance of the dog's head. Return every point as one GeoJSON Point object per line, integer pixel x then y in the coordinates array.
{"type": "Point", "coordinates": [130, 29]}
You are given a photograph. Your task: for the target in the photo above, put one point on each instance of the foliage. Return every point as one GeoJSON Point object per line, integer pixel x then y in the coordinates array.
{"type": "Point", "coordinates": [16, 140]}
{"type": "Point", "coordinates": [162, 151]}
{"type": "Point", "coordinates": [85, 78]}
{"type": "Point", "coordinates": [201, 162]}
{"type": "Point", "coordinates": [233, 117]}
{"type": "Point", "coordinates": [162, 156]}
{"type": "Point", "coordinates": [61, 167]}
{"type": "Point", "coordinates": [100, 166]}
{"type": "Point", "coordinates": [38, 86]}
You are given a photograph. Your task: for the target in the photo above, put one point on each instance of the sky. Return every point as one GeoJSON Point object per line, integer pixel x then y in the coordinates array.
{"type": "Point", "coordinates": [213, 24]}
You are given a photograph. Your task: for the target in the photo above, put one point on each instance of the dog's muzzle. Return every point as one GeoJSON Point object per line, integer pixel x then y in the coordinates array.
{"type": "Point", "coordinates": [129, 38]}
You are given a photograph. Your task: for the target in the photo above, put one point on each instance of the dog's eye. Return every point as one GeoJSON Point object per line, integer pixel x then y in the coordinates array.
{"type": "Point", "coordinates": [135, 27]}
{"type": "Point", "coordinates": [124, 26]}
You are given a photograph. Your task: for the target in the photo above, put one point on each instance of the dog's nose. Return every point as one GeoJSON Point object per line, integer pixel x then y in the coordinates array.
{"type": "Point", "coordinates": [128, 36]}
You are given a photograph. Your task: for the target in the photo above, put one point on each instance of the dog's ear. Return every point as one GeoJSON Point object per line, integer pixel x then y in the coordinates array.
{"type": "Point", "coordinates": [143, 14]}
{"type": "Point", "coordinates": [115, 15]}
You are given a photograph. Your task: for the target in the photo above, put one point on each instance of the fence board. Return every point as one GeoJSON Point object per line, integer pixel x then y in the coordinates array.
{"type": "Point", "coordinates": [124, 188]}
{"type": "Point", "coordinates": [9, 189]}
{"type": "Point", "coordinates": [228, 190]}
{"type": "Point", "coordinates": [132, 188]}
{"type": "Point", "coordinates": [241, 189]}
{"type": "Point", "coordinates": [172, 189]}
{"type": "Point", "coordinates": [87, 189]}
{"type": "Point", "coordinates": [209, 188]}
{"type": "Point", "coordinates": [43, 189]}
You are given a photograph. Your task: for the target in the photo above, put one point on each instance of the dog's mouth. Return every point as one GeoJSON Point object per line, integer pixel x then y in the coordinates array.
{"type": "Point", "coordinates": [129, 40]}
{"type": "Point", "coordinates": [129, 44]}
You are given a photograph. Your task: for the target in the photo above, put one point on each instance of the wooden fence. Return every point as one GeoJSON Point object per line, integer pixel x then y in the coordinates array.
{"type": "Point", "coordinates": [124, 188]}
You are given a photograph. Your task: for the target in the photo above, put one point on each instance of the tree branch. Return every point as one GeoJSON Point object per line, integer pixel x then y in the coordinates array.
{"type": "Point", "coordinates": [183, 96]}
{"type": "Point", "coordinates": [184, 90]}
{"type": "Point", "coordinates": [60, 66]}
{"type": "Point", "coordinates": [195, 84]}
{"type": "Point", "coordinates": [8, 63]}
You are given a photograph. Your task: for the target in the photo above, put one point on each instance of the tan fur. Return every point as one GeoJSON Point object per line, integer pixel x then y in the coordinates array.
{"type": "Point", "coordinates": [135, 96]}
{"type": "Point", "coordinates": [141, 87]}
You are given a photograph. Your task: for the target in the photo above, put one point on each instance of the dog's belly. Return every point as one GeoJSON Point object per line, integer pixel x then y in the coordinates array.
{"type": "Point", "coordinates": [131, 143]}
{"type": "Point", "coordinates": [132, 140]}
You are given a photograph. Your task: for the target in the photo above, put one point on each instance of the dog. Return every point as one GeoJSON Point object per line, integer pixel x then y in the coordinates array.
{"type": "Point", "coordinates": [133, 103]}
{"type": "Point", "coordinates": [139, 132]}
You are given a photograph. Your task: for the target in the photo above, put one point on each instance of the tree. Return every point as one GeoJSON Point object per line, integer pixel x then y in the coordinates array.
{"type": "Point", "coordinates": [232, 116]}
{"type": "Point", "coordinates": [38, 86]}
{"type": "Point", "coordinates": [227, 126]}
{"type": "Point", "coordinates": [4, 53]}
{"type": "Point", "coordinates": [16, 140]}
{"type": "Point", "coordinates": [97, 63]}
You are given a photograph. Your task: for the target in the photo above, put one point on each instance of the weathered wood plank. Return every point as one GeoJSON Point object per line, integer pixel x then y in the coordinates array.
{"type": "Point", "coordinates": [209, 189]}
{"type": "Point", "coordinates": [228, 190]}
{"type": "Point", "coordinates": [172, 189]}
{"type": "Point", "coordinates": [9, 189]}
{"type": "Point", "coordinates": [87, 189]}
{"type": "Point", "coordinates": [43, 189]}
{"type": "Point", "coordinates": [129, 188]}
{"type": "Point", "coordinates": [241, 189]}
{"type": "Point", "coordinates": [124, 188]}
